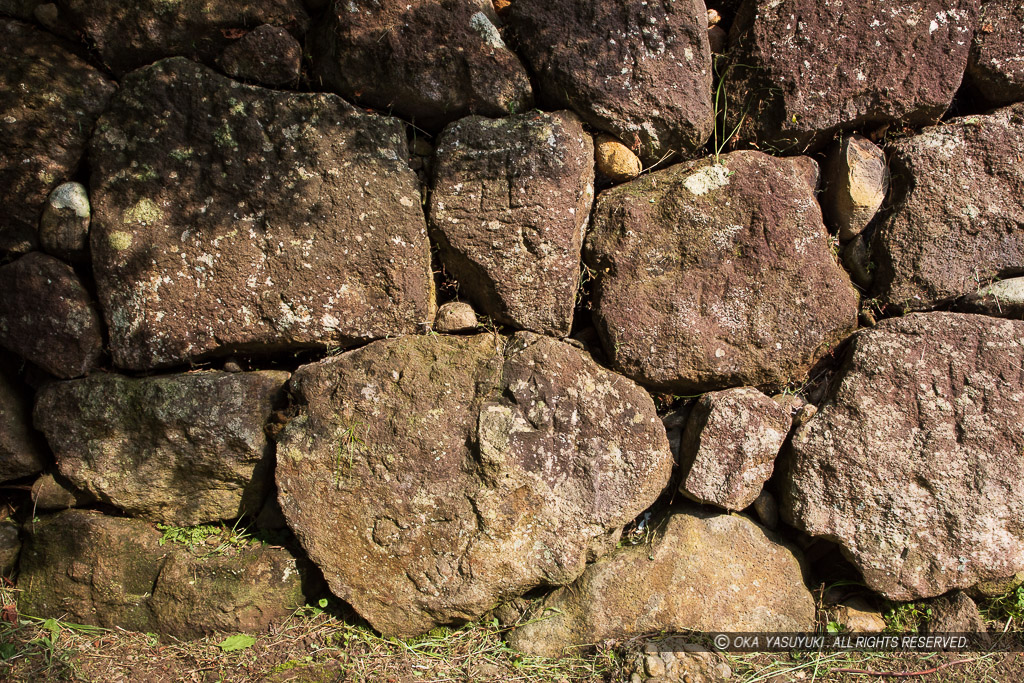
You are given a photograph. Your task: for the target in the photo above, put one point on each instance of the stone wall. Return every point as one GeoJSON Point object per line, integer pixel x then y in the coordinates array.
{"type": "Point", "coordinates": [659, 315]}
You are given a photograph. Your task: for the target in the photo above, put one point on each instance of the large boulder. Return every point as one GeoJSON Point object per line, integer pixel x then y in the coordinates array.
{"type": "Point", "coordinates": [641, 71]}
{"type": "Point", "coordinates": [47, 316]}
{"type": "Point", "coordinates": [511, 198]}
{"type": "Point", "coordinates": [701, 572]}
{"type": "Point", "coordinates": [996, 67]}
{"type": "Point", "coordinates": [958, 216]}
{"type": "Point", "coordinates": [729, 447]}
{"type": "Point", "coordinates": [431, 61]}
{"type": "Point", "coordinates": [20, 454]}
{"type": "Point", "coordinates": [127, 35]}
{"type": "Point", "coordinates": [231, 217]}
{"type": "Point", "coordinates": [432, 477]}
{"type": "Point", "coordinates": [49, 101]}
{"type": "Point", "coordinates": [704, 280]}
{"type": "Point", "coordinates": [182, 449]}
{"type": "Point", "coordinates": [90, 568]}
{"type": "Point", "coordinates": [801, 70]}
{"type": "Point", "coordinates": [913, 463]}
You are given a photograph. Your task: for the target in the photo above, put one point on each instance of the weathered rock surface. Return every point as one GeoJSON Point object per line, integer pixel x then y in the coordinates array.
{"type": "Point", "coordinates": [697, 575]}
{"type": "Point", "coordinates": [90, 569]}
{"type": "Point", "coordinates": [614, 160]}
{"type": "Point", "coordinates": [64, 226]}
{"type": "Point", "coordinates": [455, 316]}
{"type": "Point", "coordinates": [958, 222]}
{"type": "Point", "coordinates": [47, 317]}
{"type": "Point", "coordinates": [241, 590]}
{"type": "Point", "coordinates": [426, 60]}
{"type": "Point", "coordinates": [912, 465]}
{"type": "Point", "coordinates": [20, 455]}
{"type": "Point", "coordinates": [857, 616]}
{"type": "Point", "coordinates": [49, 101]}
{"type": "Point", "coordinates": [128, 35]}
{"type": "Point", "coordinates": [52, 493]}
{"type": "Point", "coordinates": [431, 478]}
{"type": "Point", "coordinates": [804, 69]}
{"type": "Point", "coordinates": [182, 449]}
{"type": "Point", "coordinates": [510, 202]}
{"type": "Point", "coordinates": [1004, 299]}
{"type": "Point", "coordinates": [996, 67]}
{"type": "Point", "coordinates": [706, 281]}
{"type": "Point", "coordinates": [10, 547]}
{"type": "Point", "coordinates": [955, 613]}
{"type": "Point", "coordinates": [268, 54]}
{"type": "Point", "coordinates": [113, 572]}
{"type": "Point", "coordinates": [229, 216]}
{"type": "Point", "coordinates": [857, 179]}
{"type": "Point", "coordinates": [729, 446]}
{"type": "Point", "coordinates": [642, 72]}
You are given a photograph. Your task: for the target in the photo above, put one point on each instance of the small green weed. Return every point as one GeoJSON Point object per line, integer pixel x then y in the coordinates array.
{"type": "Point", "coordinates": [187, 535]}
{"type": "Point", "coordinates": [349, 443]}
{"type": "Point", "coordinates": [1006, 609]}
{"type": "Point", "coordinates": [906, 617]}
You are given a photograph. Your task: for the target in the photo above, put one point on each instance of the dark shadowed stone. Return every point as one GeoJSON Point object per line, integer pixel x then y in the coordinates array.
{"type": "Point", "coordinates": [433, 477]}
{"type": "Point", "coordinates": [20, 454]}
{"type": "Point", "coordinates": [955, 613]}
{"type": "Point", "coordinates": [958, 221]}
{"type": "Point", "coordinates": [268, 55]}
{"type": "Point", "coordinates": [856, 180]}
{"type": "Point", "coordinates": [53, 492]}
{"type": "Point", "coordinates": [47, 317]}
{"type": "Point", "coordinates": [704, 280]}
{"type": "Point", "coordinates": [182, 449]}
{"type": "Point", "coordinates": [93, 569]}
{"type": "Point", "coordinates": [729, 446]}
{"type": "Point", "coordinates": [432, 61]}
{"type": "Point", "coordinates": [914, 461]}
{"type": "Point", "coordinates": [231, 217]}
{"type": "Point", "coordinates": [20, 9]}
{"type": "Point", "coordinates": [1004, 299]}
{"type": "Point", "coordinates": [89, 568]}
{"type": "Point", "coordinates": [243, 589]}
{"type": "Point", "coordinates": [801, 70]}
{"type": "Point", "coordinates": [128, 35]}
{"type": "Point", "coordinates": [641, 71]}
{"type": "Point", "coordinates": [703, 572]}
{"type": "Point", "coordinates": [10, 547]}
{"type": "Point", "coordinates": [510, 201]}
{"type": "Point", "coordinates": [996, 67]}
{"type": "Point", "coordinates": [49, 101]}
{"type": "Point", "coordinates": [64, 225]}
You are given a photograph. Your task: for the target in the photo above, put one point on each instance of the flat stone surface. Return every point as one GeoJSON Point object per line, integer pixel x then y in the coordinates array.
{"type": "Point", "coordinates": [181, 449]}
{"type": "Point", "coordinates": [230, 217]}
{"type": "Point", "coordinates": [128, 35]}
{"type": "Point", "coordinates": [510, 201]}
{"type": "Point", "coordinates": [47, 316]}
{"type": "Point", "coordinates": [958, 223]}
{"type": "Point", "coordinates": [913, 462]}
{"type": "Point", "coordinates": [269, 55]}
{"type": "Point", "coordinates": [433, 477]}
{"type": "Point", "coordinates": [804, 69]}
{"type": "Point", "coordinates": [705, 281]}
{"type": "Point", "coordinates": [49, 101]}
{"type": "Point", "coordinates": [641, 72]}
{"type": "Point", "coordinates": [703, 572]}
{"type": "Point", "coordinates": [428, 61]}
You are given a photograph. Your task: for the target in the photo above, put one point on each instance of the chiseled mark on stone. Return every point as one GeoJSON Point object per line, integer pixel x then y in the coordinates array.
{"type": "Point", "coordinates": [707, 179]}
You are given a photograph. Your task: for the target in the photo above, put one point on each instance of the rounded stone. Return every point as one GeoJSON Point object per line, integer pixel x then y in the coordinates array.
{"type": "Point", "coordinates": [64, 226]}
{"type": "Point", "coordinates": [455, 316]}
{"type": "Point", "coordinates": [615, 160]}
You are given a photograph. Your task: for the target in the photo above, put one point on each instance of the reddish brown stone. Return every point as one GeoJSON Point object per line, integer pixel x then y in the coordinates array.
{"type": "Point", "coordinates": [997, 55]}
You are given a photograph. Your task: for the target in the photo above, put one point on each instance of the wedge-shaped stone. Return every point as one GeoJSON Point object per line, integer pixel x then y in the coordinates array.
{"type": "Point", "coordinates": [230, 217]}
{"type": "Point", "coordinates": [914, 462]}
{"type": "Point", "coordinates": [432, 477]}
